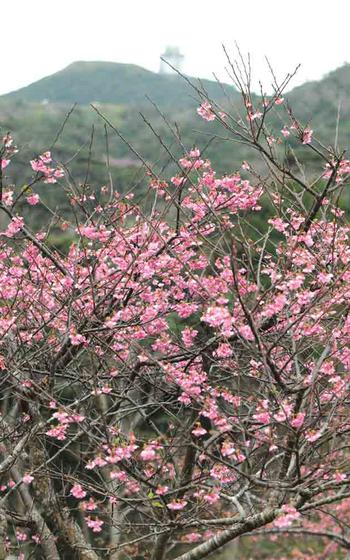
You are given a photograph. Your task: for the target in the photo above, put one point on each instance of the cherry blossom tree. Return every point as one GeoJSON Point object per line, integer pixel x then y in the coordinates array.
{"type": "Point", "coordinates": [180, 377]}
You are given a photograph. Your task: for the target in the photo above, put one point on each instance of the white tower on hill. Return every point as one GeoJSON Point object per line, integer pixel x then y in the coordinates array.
{"type": "Point", "coordinates": [174, 57]}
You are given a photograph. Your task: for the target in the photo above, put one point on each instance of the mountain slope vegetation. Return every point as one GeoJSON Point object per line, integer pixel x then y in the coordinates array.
{"type": "Point", "coordinates": [115, 83]}
{"type": "Point", "coordinates": [94, 153]}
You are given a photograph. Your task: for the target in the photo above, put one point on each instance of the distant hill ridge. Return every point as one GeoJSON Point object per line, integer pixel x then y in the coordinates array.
{"type": "Point", "coordinates": [114, 83]}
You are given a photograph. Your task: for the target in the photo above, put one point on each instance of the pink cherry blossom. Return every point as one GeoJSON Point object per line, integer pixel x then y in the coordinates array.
{"type": "Point", "coordinates": [252, 116]}
{"type": "Point", "coordinates": [285, 132]}
{"type": "Point", "coordinates": [289, 514]}
{"type": "Point", "coordinates": [148, 454]}
{"type": "Point", "coordinates": [205, 111]}
{"type": "Point", "coordinates": [298, 420]}
{"type": "Point", "coordinates": [14, 227]}
{"type": "Point", "coordinates": [90, 505]}
{"type": "Point", "coordinates": [7, 198]}
{"type": "Point", "coordinates": [161, 490]}
{"type": "Point", "coordinates": [177, 505]}
{"type": "Point", "coordinates": [307, 136]}
{"type": "Point", "coordinates": [27, 479]}
{"type": "Point", "coordinates": [94, 524]}
{"type": "Point", "coordinates": [43, 164]}
{"type": "Point", "coordinates": [313, 435]}
{"type": "Point", "coordinates": [227, 449]}
{"type": "Point", "coordinates": [193, 537]}
{"type": "Point", "coordinates": [199, 431]}
{"type": "Point", "coordinates": [33, 199]}
{"type": "Point", "coordinates": [77, 339]}
{"type": "Point", "coordinates": [78, 492]}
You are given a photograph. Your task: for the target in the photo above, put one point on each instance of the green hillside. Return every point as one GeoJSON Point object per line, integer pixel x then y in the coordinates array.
{"type": "Point", "coordinates": [35, 113]}
{"type": "Point", "coordinates": [119, 92]}
{"type": "Point", "coordinates": [110, 82]}
{"type": "Point", "coordinates": [320, 101]}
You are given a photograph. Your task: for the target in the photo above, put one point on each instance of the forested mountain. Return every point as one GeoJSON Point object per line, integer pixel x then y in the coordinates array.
{"type": "Point", "coordinates": [123, 91]}
{"type": "Point", "coordinates": [115, 83]}
{"type": "Point", "coordinates": [35, 115]}
{"type": "Point", "coordinates": [129, 97]}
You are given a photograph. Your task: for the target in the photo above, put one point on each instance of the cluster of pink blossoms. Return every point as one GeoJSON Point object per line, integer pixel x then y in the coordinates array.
{"type": "Point", "coordinates": [8, 150]}
{"type": "Point", "coordinates": [250, 330]}
{"type": "Point", "coordinates": [65, 419]}
{"type": "Point", "coordinates": [286, 518]}
{"type": "Point", "coordinates": [342, 170]}
{"type": "Point", "coordinates": [205, 111]}
{"type": "Point", "coordinates": [43, 164]}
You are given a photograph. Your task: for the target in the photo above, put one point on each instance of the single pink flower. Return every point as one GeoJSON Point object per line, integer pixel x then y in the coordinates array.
{"type": "Point", "coordinates": [89, 506]}
{"type": "Point", "coordinates": [199, 431]}
{"type": "Point", "coordinates": [161, 490]}
{"type": "Point", "coordinates": [298, 420]}
{"type": "Point", "coordinates": [94, 524]}
{"type": "Point", "coordinates": [7, 198]}
{"type": "Point", "coordinates": [307, 136]}
{"type": "Point", "coordinates": [33, 199]}
{"type": "Point", "coordinates": [177, 505]}
{"type": "Point", "coordinates": [27, 479]}
{"type": "Point", "coordinates": [78, 492]}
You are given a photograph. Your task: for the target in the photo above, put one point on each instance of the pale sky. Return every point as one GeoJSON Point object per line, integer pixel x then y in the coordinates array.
{"type": "Point", "coordinates": [40, 37]}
